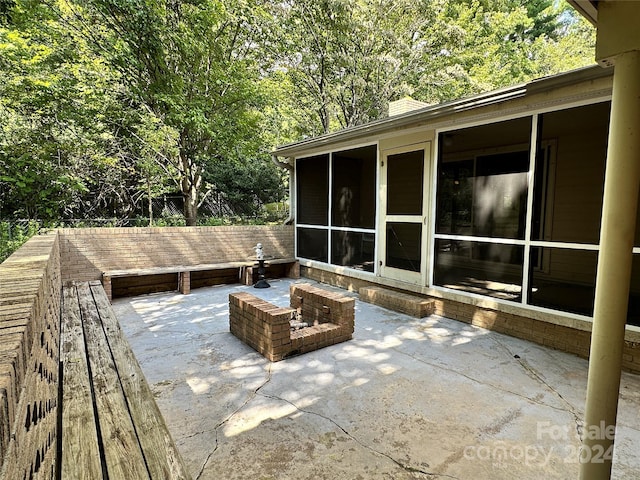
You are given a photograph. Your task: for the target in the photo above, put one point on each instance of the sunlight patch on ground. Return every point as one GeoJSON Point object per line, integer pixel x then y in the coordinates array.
{"type": "Point", "coordinates": [460, 341]}
{"type": "Point", "coordinates": [360, 381]}
{"type": "Point", "coordinates": [323, 378]}
{"type": "Point", "coordinates": [251, 418]}
{"type": "Point", "coordinates": [199, 385]}
{"type": "Point", "coordinates": [353, 351]}
{"type": "Point", "coordinates": [319, 366]}
{"type": "Point", "coordinates": [411, 334]}
{"type": "Point", "coordinates": [387, 369]}
{"type": "Point", "coordinates": [241, 362]}
{"type": "Point", "coordinates": [200, 319]}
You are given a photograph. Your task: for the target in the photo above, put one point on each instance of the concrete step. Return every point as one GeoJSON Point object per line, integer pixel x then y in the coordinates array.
{"type": "Point", "coordinates": [398, 301]}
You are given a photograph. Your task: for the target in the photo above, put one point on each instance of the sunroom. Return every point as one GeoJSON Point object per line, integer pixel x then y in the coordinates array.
{"type": "Point", "coordinates": [493, 200]}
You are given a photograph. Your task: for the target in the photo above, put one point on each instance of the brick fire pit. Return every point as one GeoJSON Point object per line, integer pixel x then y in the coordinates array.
{"type": "Point", "coordinates": [279, 332]}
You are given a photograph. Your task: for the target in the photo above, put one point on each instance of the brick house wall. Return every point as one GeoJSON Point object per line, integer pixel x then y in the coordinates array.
{"type": "Point", "coordinates": [574, 339]}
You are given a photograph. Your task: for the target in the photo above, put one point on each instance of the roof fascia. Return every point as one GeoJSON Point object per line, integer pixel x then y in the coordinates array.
{"type": "Point", "coordinates": [587, 8]}
{"type": "Point", "coordinates": [427, 114]}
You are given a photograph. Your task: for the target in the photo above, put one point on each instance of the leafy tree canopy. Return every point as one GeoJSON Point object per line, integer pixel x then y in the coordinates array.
{"type": "Point", "coordinates": [108, 104]}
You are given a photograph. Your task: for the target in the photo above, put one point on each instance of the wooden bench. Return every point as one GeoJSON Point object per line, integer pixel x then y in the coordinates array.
{"type": "Point", "coordinates": [111, 427]}
{"type": "Point", "coordinates": [184, 277]}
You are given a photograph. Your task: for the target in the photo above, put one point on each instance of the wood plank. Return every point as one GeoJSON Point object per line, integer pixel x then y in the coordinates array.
{"type": "Point", "coordinates": [80, 450]}
{"type": "Point", "coordinates": [163, 459]}
{"type": "Point", "coordinates": [207, 278]}
{"type": "Point", "coordinates": [132, 272]}
{"type": "Point", "coordinates": [137, 272]}
{"type": "Point", "coordinates": [122, 453]}
{"type": "Point", "coordinates": [277, 261]}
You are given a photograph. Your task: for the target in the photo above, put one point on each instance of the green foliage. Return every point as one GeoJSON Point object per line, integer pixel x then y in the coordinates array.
{"type": "Point", "coordinates": [191, 64]}
{"type": "Point", "coordinates": [495, 44]}
{"type": "Point", "coordinates": [346, 60]}
{"type": "Point", "coordinates": [12, 236]}
{"type": "Point", "coordinates": [106, 105]}
{"type": "Point", "coordinates": [247, 183]}
{"type": "Point", "coordinates": [60, 154]}
{"type": "Point", "coordinates": [6, 7]}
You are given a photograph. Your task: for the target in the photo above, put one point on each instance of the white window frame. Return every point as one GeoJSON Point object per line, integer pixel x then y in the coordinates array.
{"type": "Point", "coordinates": [331, 228]}
{"type": "Point", "coordinates": [527, 242]}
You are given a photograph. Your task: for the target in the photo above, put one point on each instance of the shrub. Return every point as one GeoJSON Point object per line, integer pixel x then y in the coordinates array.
{"type": "Point", "coordinates": [12, 236]}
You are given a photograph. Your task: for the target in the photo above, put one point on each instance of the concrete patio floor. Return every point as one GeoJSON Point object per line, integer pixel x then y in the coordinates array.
{"type": "Point", "coordinates": [404, 399]}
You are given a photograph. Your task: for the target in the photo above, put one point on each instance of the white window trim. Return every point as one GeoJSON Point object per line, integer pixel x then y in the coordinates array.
{"type": "Point", "coordinates": [331, 228]}
{"type": "Point", "coordinates": [527, 242]}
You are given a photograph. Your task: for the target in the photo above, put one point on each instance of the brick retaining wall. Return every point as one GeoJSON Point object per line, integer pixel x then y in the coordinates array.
{"type": "Point", "coordinates": [561, 337]}
{"type": "Point", "coordinates": [87, 252]}
{"type": "Point", "coordinates": [29, 353]}
{"type": "Point", "coordinates": [30, 293]}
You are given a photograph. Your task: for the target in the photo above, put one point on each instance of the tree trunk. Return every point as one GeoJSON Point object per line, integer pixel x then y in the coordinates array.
{"type": "Point", "coordinates": [190, 209]}
{"type": "Point", "coordinates": [190, 183]}
{"type": "Point", "coordinates": [150, 205]}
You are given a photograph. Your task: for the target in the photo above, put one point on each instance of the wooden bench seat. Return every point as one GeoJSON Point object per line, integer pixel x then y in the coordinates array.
{"type": "Point", "coordinates": [180, 277]}
{"type": "Point", "coordinates": [111, 427]}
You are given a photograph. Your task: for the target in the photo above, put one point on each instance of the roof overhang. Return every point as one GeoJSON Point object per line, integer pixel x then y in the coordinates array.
{"type": "Point", "coordinates": [434, 112]}
{"type": "Point", "coordinates": [588, 9]}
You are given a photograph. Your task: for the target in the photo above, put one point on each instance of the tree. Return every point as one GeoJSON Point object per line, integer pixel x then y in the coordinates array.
{"type": "Point", "coordinates": [491, 44]}
{"type": "Point", "coordinates": [156, 147]}
{"type": "Point", "coordinates": [190, 63]}
{"type": "Point", "coordinates": [104, 103]}
{"type": "Point", "coordinates": [347, 59]}
{"type": "Point", "coordinates": [53, 102]}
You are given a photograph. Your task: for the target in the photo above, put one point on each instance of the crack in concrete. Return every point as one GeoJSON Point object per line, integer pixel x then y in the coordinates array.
{"type": "Point", "coordinates": [229, 417]}
{"type": "Point", "coordinates": [475, 380]}
{"type": "Point", "coordinates": [529, 370]}
{"type": "Point", "coordinates": [407, 468]}
{"type": "Point", "coordinates": [533, 373]}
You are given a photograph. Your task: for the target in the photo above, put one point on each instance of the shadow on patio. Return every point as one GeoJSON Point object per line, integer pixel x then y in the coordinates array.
{"type": "Point", "coordinates": [406, 398]}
